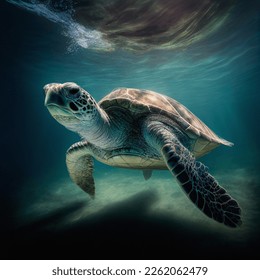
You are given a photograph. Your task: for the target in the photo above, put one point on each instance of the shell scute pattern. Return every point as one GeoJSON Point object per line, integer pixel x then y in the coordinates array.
{"type": "Point", "coordinates": [145, 102]}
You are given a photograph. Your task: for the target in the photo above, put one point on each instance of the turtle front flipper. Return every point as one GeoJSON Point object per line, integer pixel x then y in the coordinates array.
{"type": "Point", "coordinates": [80, 167]}
{"type": "Point", "coordinates": [200, 186]}
{"type": "Point", "coordinates": [193, 176]}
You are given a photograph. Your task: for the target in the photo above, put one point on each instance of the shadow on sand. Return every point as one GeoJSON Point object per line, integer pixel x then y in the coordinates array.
{"type": "Point", "coordinates": [124, 230]}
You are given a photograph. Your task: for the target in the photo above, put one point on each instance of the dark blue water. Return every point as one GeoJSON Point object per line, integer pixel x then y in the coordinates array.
{"type": "Point", "coordinates": [215, 75]}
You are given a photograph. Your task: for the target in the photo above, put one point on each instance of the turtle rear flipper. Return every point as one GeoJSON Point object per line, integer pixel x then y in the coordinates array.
{"type": "Point", "coordinates": [201, 187]}
{"type": "Point", "coordinates": [147, 173]}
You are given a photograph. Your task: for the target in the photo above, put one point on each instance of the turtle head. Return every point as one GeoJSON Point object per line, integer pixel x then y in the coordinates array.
{"type": "Point", "coordinates": [76, 109]}
{"type": "Point", "coordinates": [70, 104]}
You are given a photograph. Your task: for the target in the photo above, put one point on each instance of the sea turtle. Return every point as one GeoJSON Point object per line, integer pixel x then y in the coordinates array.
{"type": "Point", "coordinates": [141, 129]}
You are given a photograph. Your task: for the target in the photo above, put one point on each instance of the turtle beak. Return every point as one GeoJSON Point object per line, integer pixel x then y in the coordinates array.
{"type": "Point", "coordinates": [49, 86]}
{"type": "Point", "coordinates": [53, 95]}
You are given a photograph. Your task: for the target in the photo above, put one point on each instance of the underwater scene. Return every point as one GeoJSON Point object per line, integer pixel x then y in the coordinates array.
{"type": "Point", "coordinates": [205, 54]}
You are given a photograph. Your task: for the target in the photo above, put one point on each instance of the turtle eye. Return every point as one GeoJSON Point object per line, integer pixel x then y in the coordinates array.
{"type": "Point", "coordinates": [74, 90]}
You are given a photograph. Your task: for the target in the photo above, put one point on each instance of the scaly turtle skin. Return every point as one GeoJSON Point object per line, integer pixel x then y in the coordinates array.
{"type": "Point", "coordinates": [145, 130]}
